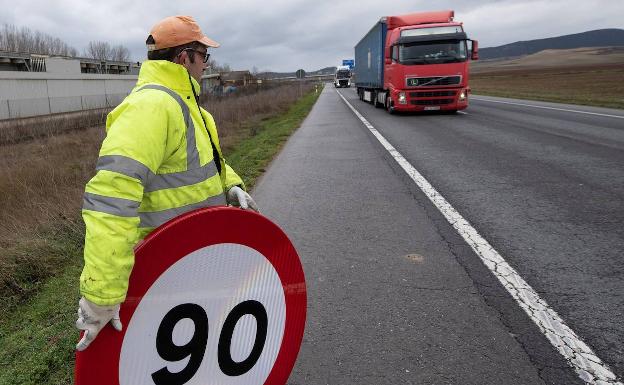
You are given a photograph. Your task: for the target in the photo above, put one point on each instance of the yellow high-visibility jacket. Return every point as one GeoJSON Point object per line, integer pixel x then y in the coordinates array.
{"type": "Point", "coordinates": [156, 162]}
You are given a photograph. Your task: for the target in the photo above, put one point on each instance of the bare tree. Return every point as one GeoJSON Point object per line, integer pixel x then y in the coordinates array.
{"type": "Point", "coordinates": [14, 39]}
{"type": "Point", "coordinates": [214, 66]}
{"type": "Point", "coordinates": [102, 50]}
{"type": "Point", "coordinates": [120, 53]}
{"type": "Point", "coordinates": [99, 50]}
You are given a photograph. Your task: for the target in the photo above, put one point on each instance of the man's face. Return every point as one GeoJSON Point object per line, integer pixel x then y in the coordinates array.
{"type": "Point", "coordinates": [195, 66]}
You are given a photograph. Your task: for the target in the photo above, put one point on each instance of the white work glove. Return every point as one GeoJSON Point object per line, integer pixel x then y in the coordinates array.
{"type": "Point", "coordinates": [92, 318]}
{"type": "Point", "coordinates": [236, 196]}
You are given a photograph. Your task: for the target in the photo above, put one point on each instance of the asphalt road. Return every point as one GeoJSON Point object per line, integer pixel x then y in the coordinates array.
{"type": "Point", "coordinates": [396, 296]}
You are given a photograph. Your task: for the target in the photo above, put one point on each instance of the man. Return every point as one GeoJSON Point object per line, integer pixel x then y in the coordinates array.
{"type": "Point", "coordinates": [161, 158]}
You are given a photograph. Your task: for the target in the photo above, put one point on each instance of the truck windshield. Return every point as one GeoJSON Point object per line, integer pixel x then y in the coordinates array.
{"type": "Point", "coordinates": [435, 52]}
{"type": "Point", "coordinates": [343, 74]}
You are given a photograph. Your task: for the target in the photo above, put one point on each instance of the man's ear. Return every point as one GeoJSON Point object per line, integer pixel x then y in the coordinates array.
{"type": "Point", "coordinates": [182, 58]}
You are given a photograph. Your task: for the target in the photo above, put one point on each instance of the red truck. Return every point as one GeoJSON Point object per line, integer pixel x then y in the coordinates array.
{"type": "Point", "coordinates": [415, 62]}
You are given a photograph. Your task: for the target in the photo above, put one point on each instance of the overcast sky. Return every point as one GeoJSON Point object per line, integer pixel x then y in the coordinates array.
{"type": "Point", "coordinates": [284, 35]}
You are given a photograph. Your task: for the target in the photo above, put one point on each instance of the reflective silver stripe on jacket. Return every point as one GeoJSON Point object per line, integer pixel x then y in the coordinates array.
{"type": "Point", "coordinates": [192, 155]}
{"type": "Point", "coordinates": [157, 218]}
{"type": "Point", "coordinates": [157, 182]}
{"type": "Point", "coordinates": [124, 165]}
{"type": "Point", "coordinates": [154, 182]}
{"type": "Point", "coordinates": [115, 206]}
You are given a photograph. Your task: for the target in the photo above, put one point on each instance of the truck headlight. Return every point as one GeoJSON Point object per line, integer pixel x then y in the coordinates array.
{"type": "Point", "coordinates": [402, 98]}
{"type": "Point", "coordinates": [462, 96]}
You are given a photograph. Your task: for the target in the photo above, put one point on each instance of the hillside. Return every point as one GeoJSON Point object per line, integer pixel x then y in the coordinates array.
{"type": "Point", "coordinates": [273, 75]}
{"type": "Point", "coordinates": [550, 58]}
{"type": "Point", "coordinates": [596, 38]}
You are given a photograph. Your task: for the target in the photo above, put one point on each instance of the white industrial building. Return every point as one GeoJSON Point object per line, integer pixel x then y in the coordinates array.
{"type": "Point", "coordinates": [34, 85]}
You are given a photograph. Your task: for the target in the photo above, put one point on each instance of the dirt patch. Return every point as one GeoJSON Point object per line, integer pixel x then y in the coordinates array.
{"type": "Point", "coordinates": [416, 258]}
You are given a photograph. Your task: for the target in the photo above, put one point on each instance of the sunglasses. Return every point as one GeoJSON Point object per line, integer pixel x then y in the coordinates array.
{"type": "Point", "coordinates": [205, 54]}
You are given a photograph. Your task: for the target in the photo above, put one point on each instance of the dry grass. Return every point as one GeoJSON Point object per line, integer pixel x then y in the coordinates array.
{"type": "Point", "coordinates": [239, 114]}
{"type": "Point", "coordinates": [596, 84]}
{"type": "Point", "coordinates": [42, 181]}
{"type": "Point", "coordinates": [17, 130]}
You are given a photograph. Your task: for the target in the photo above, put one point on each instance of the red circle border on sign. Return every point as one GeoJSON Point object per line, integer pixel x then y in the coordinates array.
{"type": "Point", "coordinates": [99, 364]}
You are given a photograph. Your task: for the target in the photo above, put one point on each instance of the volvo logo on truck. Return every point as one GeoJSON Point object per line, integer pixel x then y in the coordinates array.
{"type": "Point", "coordinates": [430, 43]}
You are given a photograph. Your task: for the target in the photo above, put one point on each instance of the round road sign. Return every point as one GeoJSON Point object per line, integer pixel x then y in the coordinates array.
{"type": "Point", "coordinates": [216, 296]}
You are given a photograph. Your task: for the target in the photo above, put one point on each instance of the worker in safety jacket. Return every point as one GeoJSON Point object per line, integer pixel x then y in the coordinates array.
{"type": "Point", "coordinates": [160, 158]}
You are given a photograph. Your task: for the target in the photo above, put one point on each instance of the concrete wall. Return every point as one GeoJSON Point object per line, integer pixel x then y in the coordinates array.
{"type": "Point", "coordinates": [59, 65]}
{"type": "Point", "coordinates": [24, 94]}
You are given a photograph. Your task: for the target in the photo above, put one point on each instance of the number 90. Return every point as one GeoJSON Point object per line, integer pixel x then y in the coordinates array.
{"type": "Point", "coordinates": [196, 347]}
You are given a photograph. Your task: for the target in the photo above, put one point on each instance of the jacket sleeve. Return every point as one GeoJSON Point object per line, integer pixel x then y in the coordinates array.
{"type": "Point", "coordinates": [229, 177]}
{"type": "Point", "coordinates": [134, 147]}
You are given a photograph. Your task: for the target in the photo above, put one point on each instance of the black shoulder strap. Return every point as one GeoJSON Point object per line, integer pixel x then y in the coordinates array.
{"type": "Point", "coordinates": [215, 153]}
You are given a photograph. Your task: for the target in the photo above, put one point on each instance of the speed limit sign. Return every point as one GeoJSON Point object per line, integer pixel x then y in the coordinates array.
{"type": "Point", "coordinates": [216, 296]}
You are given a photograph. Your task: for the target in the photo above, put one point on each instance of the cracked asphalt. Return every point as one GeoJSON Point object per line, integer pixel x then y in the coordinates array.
{"type": "Point", "coordinates": [545, 189]}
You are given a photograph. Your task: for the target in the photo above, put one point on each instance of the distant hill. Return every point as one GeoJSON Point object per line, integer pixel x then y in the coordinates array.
{"type": "Point", "coordinates": [597, 38]}
{"type": "Point", "coordinates": [273, 75]}
{"type": "Point", "coordinates": [595, 57]}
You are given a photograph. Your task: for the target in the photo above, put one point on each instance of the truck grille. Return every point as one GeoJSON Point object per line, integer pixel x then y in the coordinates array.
{"type": "Point", "coordinates": [433, 81]}
{"type": "Point", "coordinates": [428, 94]}
{"type": "Point", "coordinates": [432, 102]}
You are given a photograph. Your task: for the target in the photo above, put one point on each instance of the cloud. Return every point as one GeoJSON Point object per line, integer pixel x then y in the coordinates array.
{"type": "Point", "coordinates": [503, 22]}
{"type": "Point", "coordinates": [284, 35]}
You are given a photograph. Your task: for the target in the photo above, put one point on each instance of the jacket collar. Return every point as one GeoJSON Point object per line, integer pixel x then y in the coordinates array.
{"type": "Point", "coordinates": [168, 74]}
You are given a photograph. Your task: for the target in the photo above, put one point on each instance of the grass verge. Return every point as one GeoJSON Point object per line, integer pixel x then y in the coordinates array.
{"type": "Point", "coordinates": [37, 337]}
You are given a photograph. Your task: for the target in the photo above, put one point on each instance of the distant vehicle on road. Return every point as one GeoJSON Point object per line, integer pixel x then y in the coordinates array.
{"type": "Point", "coordinates": [342, 77]}
{"type": "Point", "coordinates": [415, 62]}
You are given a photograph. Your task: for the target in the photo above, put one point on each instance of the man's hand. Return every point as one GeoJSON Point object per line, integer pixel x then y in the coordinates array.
{"type": "Point", "coordinates": [236, 196]}
{"type": "Point", "coordinates": [92, 318]}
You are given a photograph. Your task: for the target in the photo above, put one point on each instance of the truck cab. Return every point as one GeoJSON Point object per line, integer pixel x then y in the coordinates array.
{"type": "Point", "coordinates": [426, 67]}
{"type": "Point", "coordinates": [342, 77]}
{"type": "Point", "coordinates": [421, 64]}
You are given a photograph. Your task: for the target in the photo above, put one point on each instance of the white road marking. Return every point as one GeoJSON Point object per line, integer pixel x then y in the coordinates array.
{"type": "Point", "coordinates": [579, 355]}
{"type": "Point", "coordinates": [462, 112]}
{"type": "Point", "coordinates": [549, 108]}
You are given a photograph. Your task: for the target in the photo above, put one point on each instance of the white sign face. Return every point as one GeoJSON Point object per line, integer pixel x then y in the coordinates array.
{"type": "Point", "coordinates": [216, 316]}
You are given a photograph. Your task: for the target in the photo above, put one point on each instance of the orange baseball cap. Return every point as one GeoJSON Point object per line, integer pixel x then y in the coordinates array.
{"type": "Point", "coordinates": [173, 31]}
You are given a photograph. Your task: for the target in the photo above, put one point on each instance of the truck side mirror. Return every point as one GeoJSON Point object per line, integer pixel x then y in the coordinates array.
{"type": "Point", "coordinates": [474, 51]}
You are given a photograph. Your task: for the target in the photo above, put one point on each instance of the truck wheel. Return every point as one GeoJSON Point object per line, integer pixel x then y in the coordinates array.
{"type": "Point", "coordinates": [389, 106]}
{"type": "Point", "coordinates": [376, 101]}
